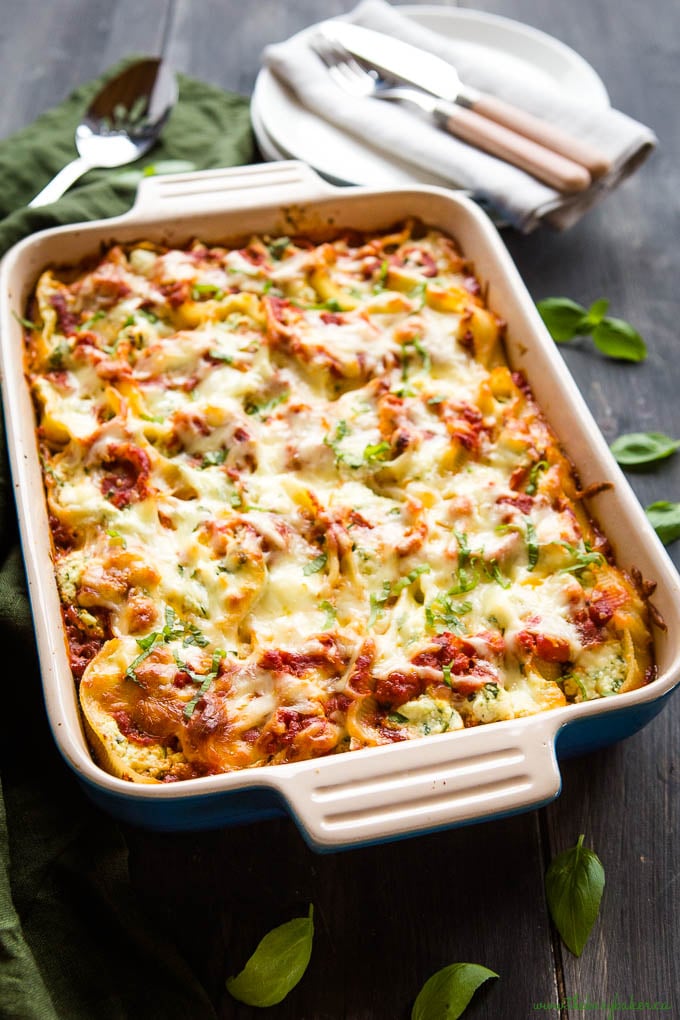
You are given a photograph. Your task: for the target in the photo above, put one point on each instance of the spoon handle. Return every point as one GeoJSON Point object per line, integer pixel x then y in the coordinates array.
{"type": "Point", "coordinates": [61, 182]}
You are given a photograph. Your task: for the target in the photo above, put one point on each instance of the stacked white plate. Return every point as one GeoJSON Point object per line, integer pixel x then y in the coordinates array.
{"type": "Point", "coordinates": [286, 130]}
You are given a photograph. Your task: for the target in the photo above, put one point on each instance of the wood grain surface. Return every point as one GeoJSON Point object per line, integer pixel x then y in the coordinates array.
{"type": "Point", "coordinates": [388, 916]}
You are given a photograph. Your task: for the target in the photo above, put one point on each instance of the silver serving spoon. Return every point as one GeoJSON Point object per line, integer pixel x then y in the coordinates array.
{"type": "Point", "coordinates": [121, 124]}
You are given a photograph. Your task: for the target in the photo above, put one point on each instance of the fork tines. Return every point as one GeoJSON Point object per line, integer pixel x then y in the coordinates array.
{"type": "Point", "coordinates": [345, 71]}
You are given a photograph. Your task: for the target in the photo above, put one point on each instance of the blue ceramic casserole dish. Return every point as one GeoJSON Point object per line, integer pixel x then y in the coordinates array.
{"type": "Point", "coordinates": [379, 793]}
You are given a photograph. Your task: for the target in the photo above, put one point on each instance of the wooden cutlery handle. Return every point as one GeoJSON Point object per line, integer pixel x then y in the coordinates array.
{"type": "Point", "coordinates": [559, 172]}
{"type": "Point", "coordinates": [545, 134]}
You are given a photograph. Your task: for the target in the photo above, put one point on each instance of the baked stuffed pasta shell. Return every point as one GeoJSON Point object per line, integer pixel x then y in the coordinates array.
{"type": "Point", "coordinates": [300, 505]}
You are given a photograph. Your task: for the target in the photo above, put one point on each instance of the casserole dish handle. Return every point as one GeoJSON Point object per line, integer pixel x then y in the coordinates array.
{"type": "Point", "coordinates": [221, 190]}
{"type": "Point", "coordinates": [441, 781]}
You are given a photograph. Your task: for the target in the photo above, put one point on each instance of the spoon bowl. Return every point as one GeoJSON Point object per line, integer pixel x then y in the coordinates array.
{"type": "Point", "coordinates": [122, 122]}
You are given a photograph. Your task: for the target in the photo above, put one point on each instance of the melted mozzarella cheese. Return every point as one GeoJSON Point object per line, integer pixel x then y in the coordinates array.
{"type": "Point", "coordinates": [282, 477]}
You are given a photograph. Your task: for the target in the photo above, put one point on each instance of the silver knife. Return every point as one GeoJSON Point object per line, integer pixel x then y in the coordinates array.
{"type": "Point", "coordinates": [401, 62]}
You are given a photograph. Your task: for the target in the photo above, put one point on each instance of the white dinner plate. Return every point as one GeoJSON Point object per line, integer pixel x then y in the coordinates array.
{"type": "Point", "coordinates": [287, 130]}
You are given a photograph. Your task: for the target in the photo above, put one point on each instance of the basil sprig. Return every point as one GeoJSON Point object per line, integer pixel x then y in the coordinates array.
{"type": "Point", "coordinates": [665, 519]}
{"type": "Point", "coordinates": [573, 885]}
{"type": "Point", "coordinates": [614, 338]}
{"type": "Point", "coordinates": [277, 964]}
{"type": "Point", "coordinates": [446, 994]}
{"type": "Point", "coordinates": [639, 448]}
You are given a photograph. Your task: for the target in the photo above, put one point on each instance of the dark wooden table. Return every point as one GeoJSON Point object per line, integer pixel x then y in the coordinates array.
{"type": "Point", "coordinates": [388, 916]}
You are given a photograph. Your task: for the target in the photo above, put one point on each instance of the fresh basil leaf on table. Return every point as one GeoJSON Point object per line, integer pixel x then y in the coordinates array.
{"type": "Point", "coordinates": [574, 883]}
{"type": "Point", "coordinates": [563, 317]}
{"type": "Point", "coordinates": [639, 448]}
{"type": "Point", "coordinates": [446, 994]}
{"type": "Point", "coordinates": [277, 964]}
{"type": "Point", "coordinates": [596, 313]}
{"type": "Point", "coordinates": [618, 339]}
{"type": "Point", "coordinates": [665, 519]}
{"type": "Point", "coordinates": [614, 338]}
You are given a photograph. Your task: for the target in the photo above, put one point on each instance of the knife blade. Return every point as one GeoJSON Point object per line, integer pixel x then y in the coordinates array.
{"type": "Point", "coordinates": [399, 61]}
{"type": "Point", "coordinates": [349, 75]}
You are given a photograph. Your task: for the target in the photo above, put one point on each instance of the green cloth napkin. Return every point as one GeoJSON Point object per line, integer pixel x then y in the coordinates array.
{"type": "Point", "coordinates": [75, 942]}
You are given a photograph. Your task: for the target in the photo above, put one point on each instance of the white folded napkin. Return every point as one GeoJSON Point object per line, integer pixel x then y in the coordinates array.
{"type": "Point", "coordinates": [395, 129]}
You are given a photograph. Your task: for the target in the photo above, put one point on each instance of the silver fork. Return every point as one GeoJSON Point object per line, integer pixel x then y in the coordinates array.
{"type": "Point", "coordinates": [485, 134]}
{"type": "Point", "coordinates": [351, 77]}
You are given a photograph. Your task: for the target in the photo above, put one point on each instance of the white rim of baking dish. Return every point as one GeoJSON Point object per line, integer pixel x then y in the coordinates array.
{"type": "Point", "coordinates": [376, 793]}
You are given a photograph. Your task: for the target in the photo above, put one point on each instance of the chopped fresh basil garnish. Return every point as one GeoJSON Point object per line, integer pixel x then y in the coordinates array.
{"type": "Point", "coordinates": [584, 558]}
{"type": "Point", "coordinates": [377, 451]}
{"type": "Point", "coordinates": [532, 483]}
{"type": "Point", "coordinates": [409, 578]}
{"type": "Point", "coordinates": [147, 644]}
{"type": "Point", "coordinates": [218, 356]}
{"type": "Point", "coordinates": [373, 454]}
{"type": "Point", "coordinates": [464, 552]}
{"type": "Point", "coordinates": [444, 615]}
{"type": "Point", "coordinates": [397, 717]}
{"type": "Point", "coordinates": [213, 458]}
{"type": "Point", "coordinates": [532, 544]}
{"type": "Point", "coordinates": [495, 573]}
{"type": "Point", "coordinates": [377, 600]}
{"type": "Point", "coordinates": [99, 314]}
{"type": "Point", "coordinates": [263, 409]}
{"type": "Point", "coordinates": [390, 589]}
{"type": "Point", "coordinates": [331, 613]}
{"type": "Point", "coordinates": [116, 537]}
{"type": "Point", "coordinates": [204, 679]}
{"type": "Point", "coordinates": [415, 345]}
{"type": "Point", "coordinates": [208, 290]}
{"type": "Point", "coordinates": [174, 629]}
{"type": "Point", "coordinates": [26, 323]}
{"type": "Point", "coordinates": [315, 565]}
{"type": "Point", "coordinates": [278, 246]}
{"type": "Point", "coordinates": [419, 293]}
